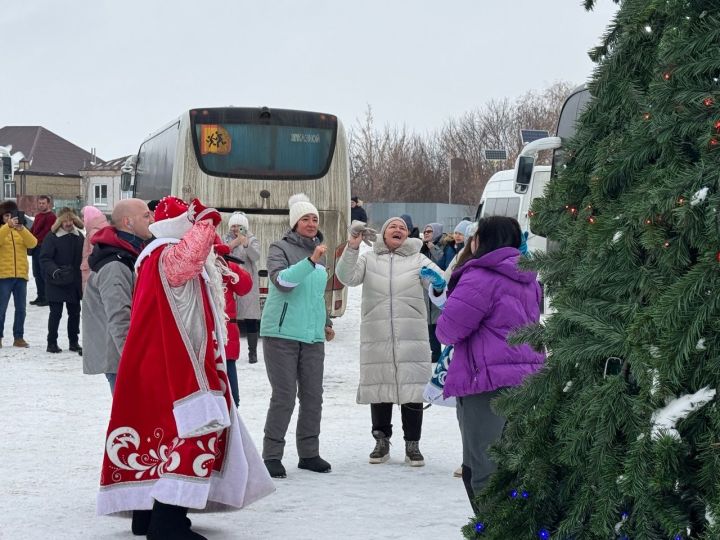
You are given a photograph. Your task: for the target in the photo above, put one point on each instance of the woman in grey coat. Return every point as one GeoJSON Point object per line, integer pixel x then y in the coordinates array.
{"type": "Point", "coordinates": [246, 247]}
{"type": "Point", "coordinates": [394, 356]}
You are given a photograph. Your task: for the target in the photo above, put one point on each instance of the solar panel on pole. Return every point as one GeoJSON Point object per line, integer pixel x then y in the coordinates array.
{"type": "Point", "coordinates": [530, 135]}
{"type": "Point", "coordinates": [495, 154]}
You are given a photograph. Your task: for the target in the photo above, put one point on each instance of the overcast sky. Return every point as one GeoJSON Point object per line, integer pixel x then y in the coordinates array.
{"type": "Point", "coordinates": [105, 73]}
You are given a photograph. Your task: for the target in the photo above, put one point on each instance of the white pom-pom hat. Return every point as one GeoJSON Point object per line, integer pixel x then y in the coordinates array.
{"type": "Point", "coordinates": [239, 218]}
{"type": "Point", "coordinates": [300, 206]}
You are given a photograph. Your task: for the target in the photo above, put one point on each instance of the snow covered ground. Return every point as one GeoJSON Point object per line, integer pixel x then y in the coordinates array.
{"type": "Point", "coordinates": [54, 420]}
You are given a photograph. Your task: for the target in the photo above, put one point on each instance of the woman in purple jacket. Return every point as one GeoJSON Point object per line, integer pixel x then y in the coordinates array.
{"type": "Point", "coordinates": [489, 298]}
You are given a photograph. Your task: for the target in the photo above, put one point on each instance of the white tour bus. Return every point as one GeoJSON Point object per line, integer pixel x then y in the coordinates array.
{"type": "Point", "coordinates": [253, 160]}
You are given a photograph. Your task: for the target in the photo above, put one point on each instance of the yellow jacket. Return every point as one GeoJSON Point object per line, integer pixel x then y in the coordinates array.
{"type": "Point", "coordinates": [13, 252]}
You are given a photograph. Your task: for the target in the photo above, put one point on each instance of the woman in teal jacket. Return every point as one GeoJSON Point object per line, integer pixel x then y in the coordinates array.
{"type": "Point", "coordinates": [294, 327]}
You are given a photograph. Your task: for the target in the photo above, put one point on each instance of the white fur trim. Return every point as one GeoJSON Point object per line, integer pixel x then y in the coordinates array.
{"type": "Point", "coordinates": [152, 246]}
{"type": "Point", "coordinates": [172, 227]}
{"type": "Point", "coordinates": [200, 414]}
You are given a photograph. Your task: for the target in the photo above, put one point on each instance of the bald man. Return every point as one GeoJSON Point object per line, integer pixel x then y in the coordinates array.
{"type": "Point", "coordinates": [108, 294]}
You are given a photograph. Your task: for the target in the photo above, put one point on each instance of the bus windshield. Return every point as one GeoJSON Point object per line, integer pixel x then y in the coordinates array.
{"type": "Point", "coordinates": [263, 144]}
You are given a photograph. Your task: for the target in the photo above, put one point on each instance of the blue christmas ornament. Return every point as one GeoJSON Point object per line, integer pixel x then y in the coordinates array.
{"type": "Point", "coordinates": [525, 495]}
{"type": "Point", "coordinates": [678, 537]}
{"type": "Point", "coordinates": [543, 534]}
{"type": "Point", "coordinates": [480, 527]}
{"type": "Point", "coordinates": [514, 493]}
{"type": "Point", "coordinates": [624, 515]}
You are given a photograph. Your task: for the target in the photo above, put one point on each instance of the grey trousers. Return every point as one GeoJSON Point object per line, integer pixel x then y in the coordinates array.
{"type": "Point", "coordinates": [294, 369]}
{"type": "Point", "coordinates": [480, 427]}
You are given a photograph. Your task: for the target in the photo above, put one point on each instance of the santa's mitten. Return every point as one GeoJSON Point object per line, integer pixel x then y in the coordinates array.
{"type": "Point", "coordinates": [222, 249]}
{"type": "Point", "coordinates": [198, 212]}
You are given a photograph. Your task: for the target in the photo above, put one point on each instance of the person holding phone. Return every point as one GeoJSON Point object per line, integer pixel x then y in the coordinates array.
{"type": "Point", "coordinates": [294, 328]}
{"type": "Point", "coordinates": [15, 240]}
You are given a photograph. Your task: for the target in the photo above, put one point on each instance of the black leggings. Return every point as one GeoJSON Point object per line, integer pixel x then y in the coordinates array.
{"type": "Point", "coordinates": [251, 326]}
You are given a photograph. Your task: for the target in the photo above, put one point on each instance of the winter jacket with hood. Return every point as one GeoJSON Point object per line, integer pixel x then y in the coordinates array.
{"type": "Point", "coordinates": [63, 249]}
{"type": "Point", "coordinates": [395, 361]}
{"type": "Point", "coordinates": [295, 312]}
{"type": "Point", "coordinates": [106, 301]}
{"type": "Point", "coordinates": [13, 252]}
{"type": "Point", "coordinates": [489, 298]}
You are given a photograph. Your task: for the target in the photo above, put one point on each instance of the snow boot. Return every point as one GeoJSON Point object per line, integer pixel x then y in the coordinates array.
{"type": "Point", "coordinates": [170, 522]}
{"type": "Point", "coordinates": [466, 477]}
{"type": "Point", "coordinates": [275, 468]}
{"type": "Point", "coordinates": [75, 347]}
{"type": "Point", "coordinates": [413, 455]}
{"type": "Point", "coordinates": [381, 453]}
{"type": "Point", "coordinates": [252, 339]}
{"type": "Point", "coordinates": [53, 347]}
{"type": "Point", "coordinates": [314, 464]}
{"type": "Point", "coordinates": [140, 522]}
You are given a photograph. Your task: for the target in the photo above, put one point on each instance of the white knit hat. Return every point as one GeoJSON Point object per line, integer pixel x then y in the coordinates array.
{"type": "Point", "coordinates": [239, 218]}
{"type": "Point", "coordinates": [300, 205]}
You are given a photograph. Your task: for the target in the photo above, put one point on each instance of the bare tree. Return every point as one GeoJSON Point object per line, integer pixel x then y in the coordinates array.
{"type": "Point", "coordinates": [396, 165]}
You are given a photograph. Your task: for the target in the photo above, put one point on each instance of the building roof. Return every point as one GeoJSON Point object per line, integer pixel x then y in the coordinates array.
{"type": "Point", "coordinates": [112, 165]}
{"type": "Point", "coordinates": [47, 152]}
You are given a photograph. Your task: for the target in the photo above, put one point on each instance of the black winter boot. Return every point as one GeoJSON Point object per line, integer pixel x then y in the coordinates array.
{"type": "Point", "coordinates": [252, 339]}
{"type": "Point", "coordinates": [412, 454]}
{"type": "Point", "coordinates": [75, 347]}
{"type": "Point", "coordinates": [53, 347]}
{"type": "Point", "coordinates": [170, 522]}
{"type": "Point", "coordinates": [275, 468]}
{"type": "Point", "coordinates": [314, 464]}
{"type": "Point", "coordinates": [467, 477]}
{"type": "Point", "coordinates": [140, 522]}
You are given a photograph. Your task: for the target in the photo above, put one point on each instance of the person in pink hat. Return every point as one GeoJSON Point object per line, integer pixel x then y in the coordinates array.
{"type": "Point", "coordinates": [94, 220]}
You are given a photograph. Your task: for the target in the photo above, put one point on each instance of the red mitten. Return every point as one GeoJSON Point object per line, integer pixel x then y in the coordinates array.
{"type": "Point", "coordinates": [222, 249]}
{"type": "Point", "coordinates": [198, 212]}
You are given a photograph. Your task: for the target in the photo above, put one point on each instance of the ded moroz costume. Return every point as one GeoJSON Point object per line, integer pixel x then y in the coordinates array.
{"type": "Point", "coordinates": [174, 437]}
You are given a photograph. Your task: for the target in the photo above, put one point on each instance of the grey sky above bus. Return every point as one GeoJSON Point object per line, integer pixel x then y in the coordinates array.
{"type": "Point", "coordinates": [111, 72]}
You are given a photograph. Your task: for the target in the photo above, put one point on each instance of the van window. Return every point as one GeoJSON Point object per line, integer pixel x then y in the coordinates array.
{"type": "Point", "coordinates": [502, 206]}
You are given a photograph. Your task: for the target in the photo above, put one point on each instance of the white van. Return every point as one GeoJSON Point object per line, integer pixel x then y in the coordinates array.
{"type": "Point", "coordinates": [500, 198]}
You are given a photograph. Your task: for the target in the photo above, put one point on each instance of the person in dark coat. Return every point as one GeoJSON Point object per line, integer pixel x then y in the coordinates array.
{"type": "Point", "coordinates": [357, 212]}
{"type": "Point", "coordinates": [413, 232]}
{"type": "Point", "coordinates": [60, 259]}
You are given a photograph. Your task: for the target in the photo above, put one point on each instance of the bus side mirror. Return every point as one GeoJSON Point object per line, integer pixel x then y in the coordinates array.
{"type": "Point", "coordinates": [523, 173]}
{"type": "Point", "coordinates": [125, 181]}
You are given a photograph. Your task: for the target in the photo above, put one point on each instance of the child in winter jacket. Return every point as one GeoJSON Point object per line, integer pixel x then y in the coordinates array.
{"type": "Point", "coordinates": [489, 298]}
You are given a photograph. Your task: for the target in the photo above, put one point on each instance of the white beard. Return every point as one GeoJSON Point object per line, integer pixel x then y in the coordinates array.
{"type": "Point", "coordinates": [216, 268]}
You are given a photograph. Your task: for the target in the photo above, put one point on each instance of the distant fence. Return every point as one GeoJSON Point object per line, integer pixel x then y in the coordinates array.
{"type": "Point", "coordinates": [421, 213]}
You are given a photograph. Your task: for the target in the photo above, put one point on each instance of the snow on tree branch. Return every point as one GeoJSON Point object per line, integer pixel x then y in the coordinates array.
{"type": "Point", "coordinates": [664, 420]}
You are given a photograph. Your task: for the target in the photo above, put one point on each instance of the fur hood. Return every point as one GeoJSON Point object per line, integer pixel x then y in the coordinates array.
{"type": "Point", "coordinates": [8, 207]}
{"type": "Point", "coordinates": [64, 214]}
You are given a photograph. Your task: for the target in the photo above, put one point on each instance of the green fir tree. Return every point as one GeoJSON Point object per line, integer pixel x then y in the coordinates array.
{"type": "Point", "coordinates": [592, 449]}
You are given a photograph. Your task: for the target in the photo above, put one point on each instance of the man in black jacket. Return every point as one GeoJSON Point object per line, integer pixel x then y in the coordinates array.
{"type": "Point", "coordinates": [357, 212]}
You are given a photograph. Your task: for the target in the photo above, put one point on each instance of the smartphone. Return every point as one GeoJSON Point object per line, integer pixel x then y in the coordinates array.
{"type": "Point", "coordinates": [20, 215]}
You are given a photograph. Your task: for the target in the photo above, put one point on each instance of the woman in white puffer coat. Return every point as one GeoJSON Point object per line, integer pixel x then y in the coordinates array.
{"type": "Point", "coordinates": [394, 357]}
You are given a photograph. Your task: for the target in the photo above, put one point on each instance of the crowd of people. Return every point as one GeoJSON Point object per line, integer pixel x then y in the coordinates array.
{"type": "Point", "coordinates": [164, 300]}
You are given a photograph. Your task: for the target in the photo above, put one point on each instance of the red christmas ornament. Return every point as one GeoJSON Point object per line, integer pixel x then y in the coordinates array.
{"type": "Point", "coordinates": [591, 219]}
{"type": "Point", "coordinates": [648, 221]}
{"type": "Point", "coordinates": [646, 116]}
{"type": "Point", "coordinates": [714, 142]}
{"type": "Point", "coordinates": [666, 244]}
{"type": "Point", "coordinates": [573, 210]}
{"type": "Point", "coordinates": [531, 213]}
{"type": "Point", "coordinates": [681, 200]}
{"type": "Point", "coordinates": [708, 102]}
{"type": "Point", "coordinates": [717, 125]}
{"type": "Point", "coordinates": [666, 75]}
{"type": "Point", "coordinates": [717, 256]}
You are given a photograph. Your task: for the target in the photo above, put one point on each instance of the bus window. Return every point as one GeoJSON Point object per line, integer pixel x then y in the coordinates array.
{"type": "Point", "coordinates": [281, 147]}
{"type": "Point", "coordinates": [156, 160]}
